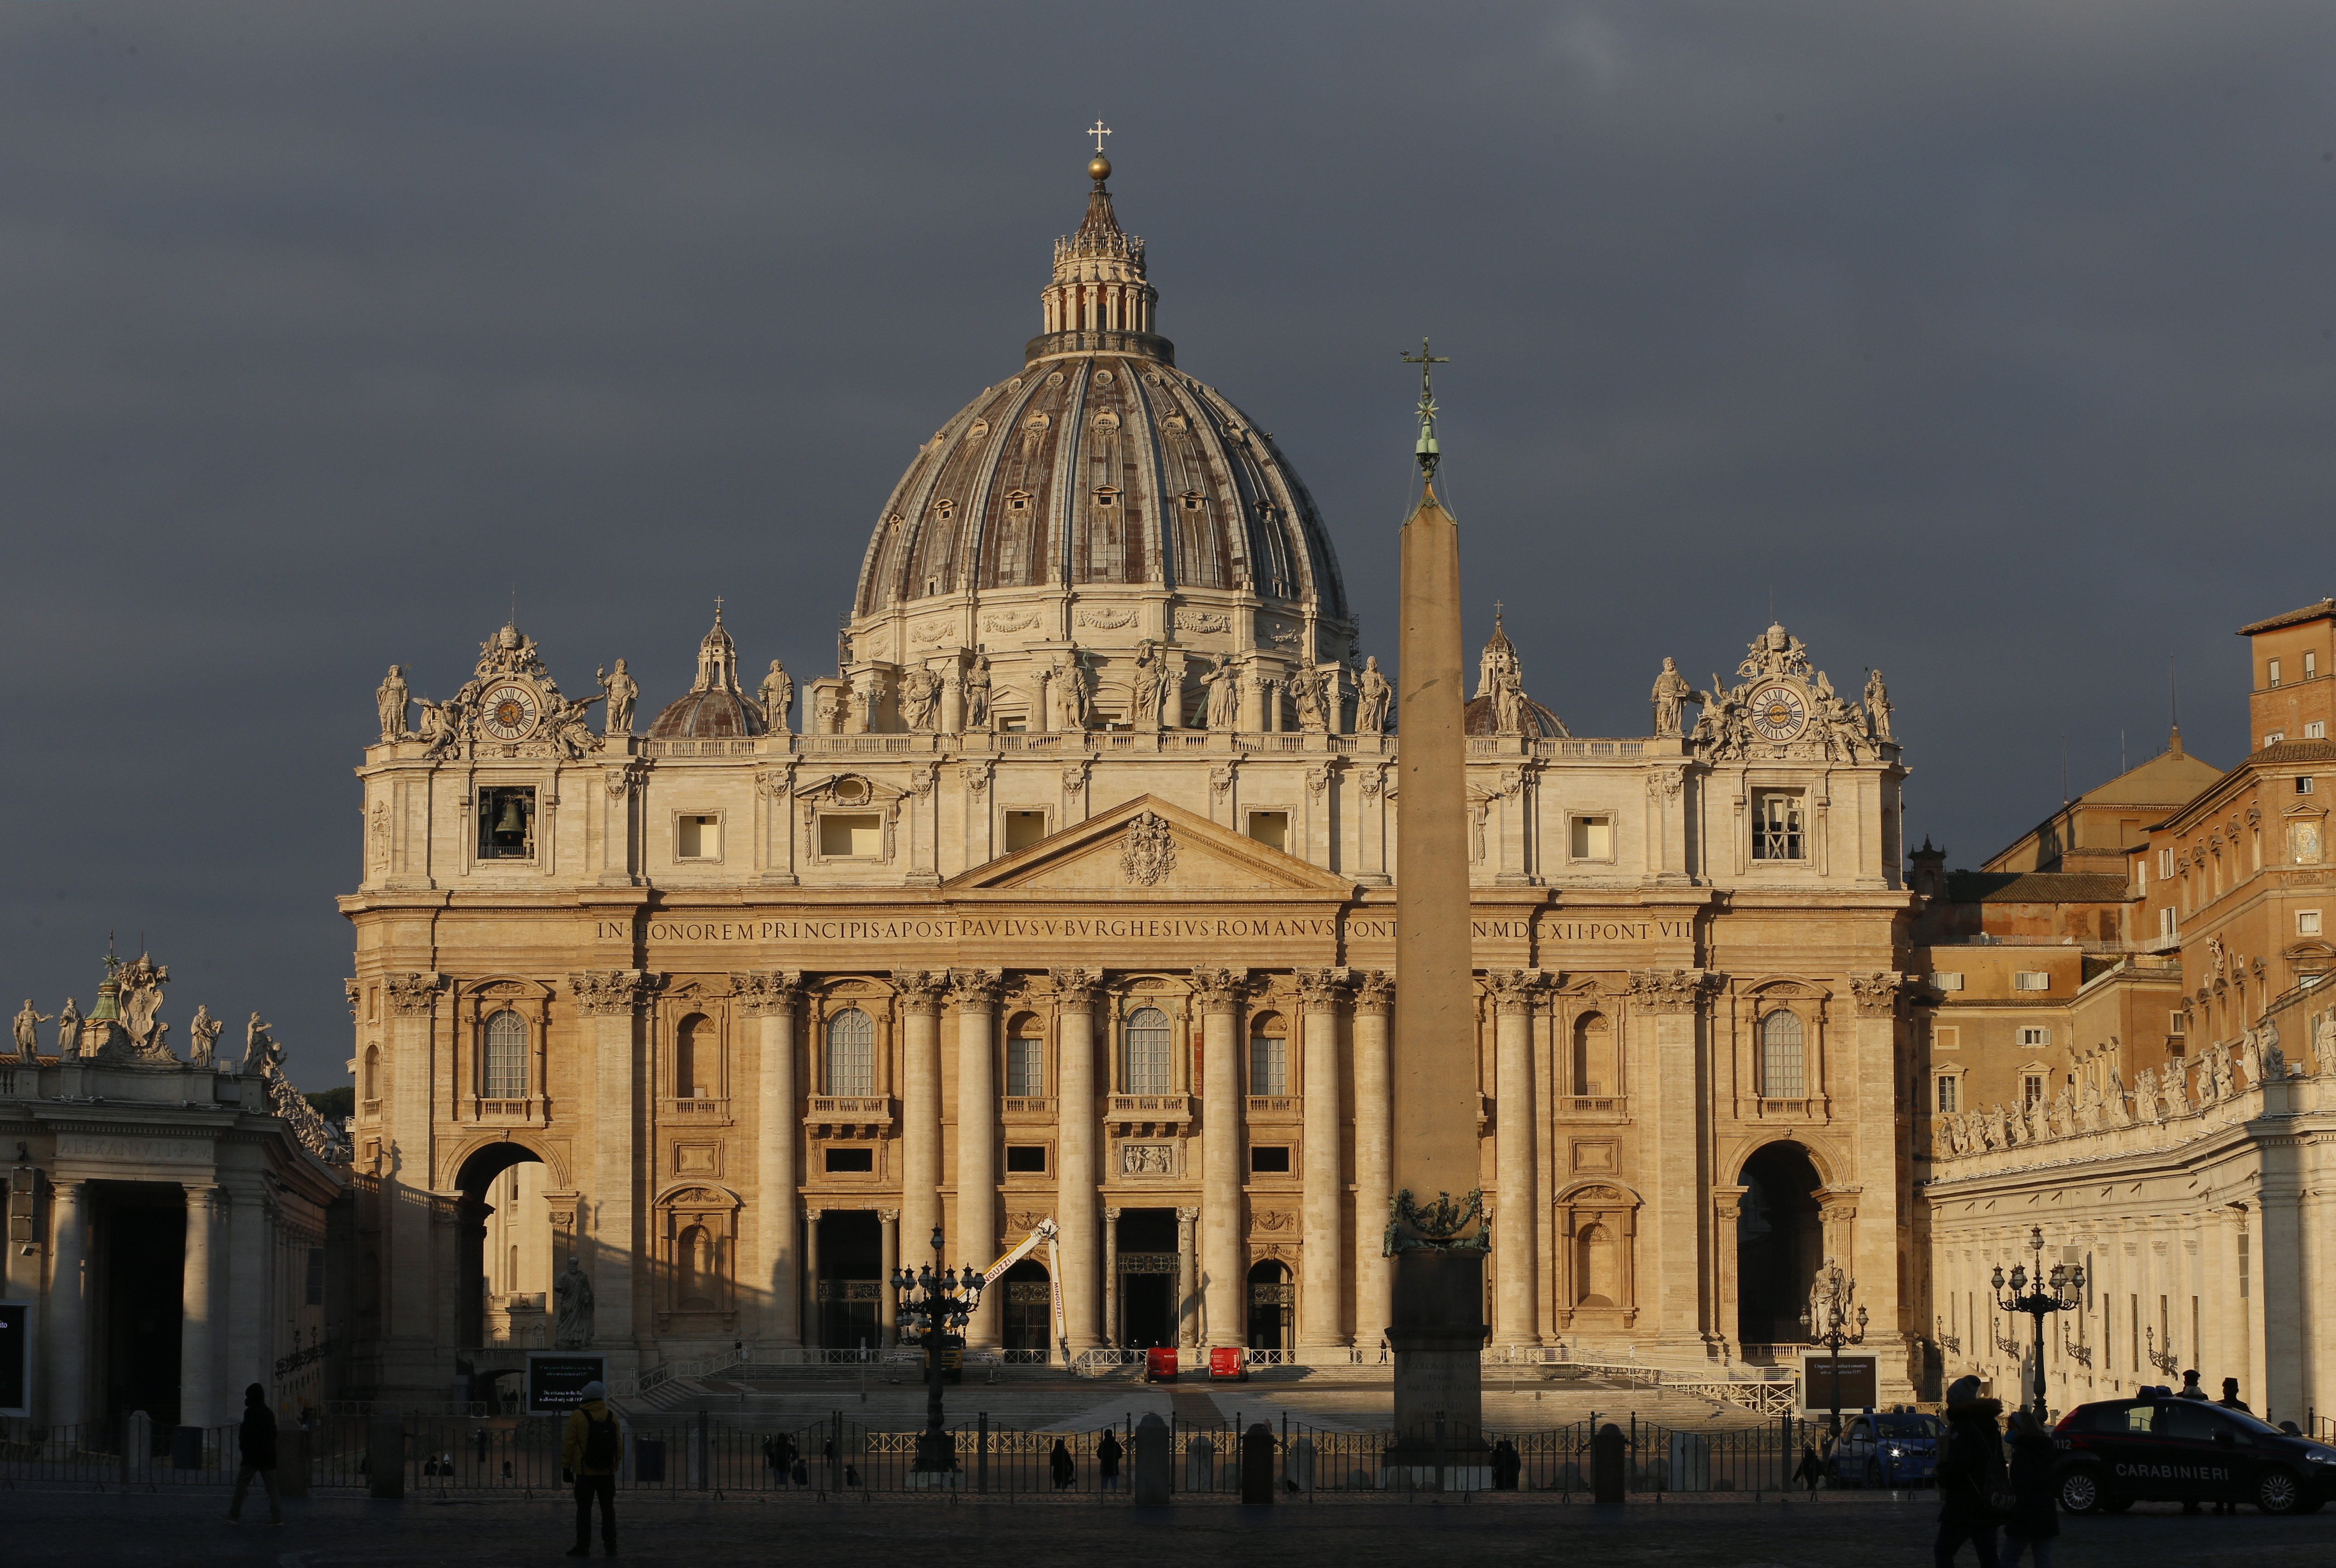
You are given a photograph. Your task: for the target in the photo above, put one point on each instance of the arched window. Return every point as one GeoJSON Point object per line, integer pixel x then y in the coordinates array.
{"type": "Point", "coordinates": [851, 1053]}
{"type": "Point", "coordinates": [372, 1073]}
{"type": "Point", "coordinates": [694, 1051]}
{"type": "Point", "coordinates": [506, 1057]}
{"type": "Point", "coordinates": [1268, 1054]}
{"type": "Point", "coordinates": [1025, 1059]}
{"type": "Point", "coordinates": [1144, 1063]}
{"type": "Point", "coordinates": [1784, 1074]}
{"type": "Point", "coordinates": [1593, 1055]}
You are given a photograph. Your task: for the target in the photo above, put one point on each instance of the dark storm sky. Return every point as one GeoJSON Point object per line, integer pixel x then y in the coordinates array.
{"type": "Point", "coordinates": [1997, 341]}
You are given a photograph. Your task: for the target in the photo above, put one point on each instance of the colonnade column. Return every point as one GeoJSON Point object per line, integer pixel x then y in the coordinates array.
{"type": "Point", "coordinates": [611, 1000]}
{"type": "Point", "coordinates": [771, 1000]}
{"type": "Point", "coordinates": [198, 1316]}
{"type": "Point", "coordinates": [1111, 1323]}
{"type": "Point", "coordinates": [1374, 999]}
{"type": "Point", "coordinates": [888, 1300]}
{"type": "Point", "coordinates": [1223, 1130]}
{"type": "Point", "coordinates": [1323, 1294]}
{"type": "Point", "coordinates": [1188, 1274]}
{"type": "Point", "coordinates": [67, 1316]}
{"type": "Point", "coordinates": [920, 1106]}
{"type": "Point", "coordinates": [246, 1301]}
{"type": "Point", "coordinates": [1513, 1319]}
{"type": "Point", "coordinates": [410, 1284]}
{"type": "Point", "coordinates": [814, 1320]}
{"type": "Point", "coordinates": [977, 991]}
{"type": "Point", "coordinates": [1077, 1167]}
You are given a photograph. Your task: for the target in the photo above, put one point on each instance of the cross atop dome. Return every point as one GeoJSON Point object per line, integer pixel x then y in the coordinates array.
{"type": "Point", "coordinates": [1099, 285]}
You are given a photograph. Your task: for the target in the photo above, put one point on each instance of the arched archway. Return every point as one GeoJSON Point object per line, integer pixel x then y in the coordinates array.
{"type": "Point", "coordinates": [503, 1265]}
{"type": "Point", "coordinates": [1272, 1304]}
{"type": "Point", "coordinates": [1779, 1244]}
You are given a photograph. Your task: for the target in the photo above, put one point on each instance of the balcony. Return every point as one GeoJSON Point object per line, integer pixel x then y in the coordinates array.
{"type": "Point", "coordinates": [850, 1116]}
{"type": "Point", "coordinates": [1595, 1107]}
{"type": "Point", "coordinates": [1273, 1107]}
{"type": "Point", "coordinates": [1027, 1108]}
{"type": "Point", "coordinates": [1143, 1115]}
{"type": "Point", "coordinates": [700, 1109]}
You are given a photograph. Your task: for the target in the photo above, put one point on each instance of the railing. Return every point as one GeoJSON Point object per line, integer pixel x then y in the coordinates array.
{"type": "Point", "coordinates": [107, 1452]}
{"type": "Point", "coordinates": [695, 1106]}
{"type": "Point", "coordinates": [1028, 1105]}
{"type": "Point", "coordinates": [1273, 1105]}
{"type": "Point", "coordinates": [706, 747]}
{"type": "Point", "coordinates": [1596, 1104]}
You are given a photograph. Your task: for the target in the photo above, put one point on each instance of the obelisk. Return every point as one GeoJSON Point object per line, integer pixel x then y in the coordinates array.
{"type": "Point", "coordinates": [1435, 1235]}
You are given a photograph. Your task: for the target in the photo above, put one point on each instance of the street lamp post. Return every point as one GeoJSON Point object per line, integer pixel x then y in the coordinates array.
{"type": "Point", "coordinates": [936, 1300]}
{"type": "Point", "coordinates": [1828, 1322]}
{"type": "Point", "coordinates": [2061, 1290]}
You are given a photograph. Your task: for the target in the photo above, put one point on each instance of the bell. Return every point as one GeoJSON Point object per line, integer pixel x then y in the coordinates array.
{"type": "Point", "coordinates": [510, 821]}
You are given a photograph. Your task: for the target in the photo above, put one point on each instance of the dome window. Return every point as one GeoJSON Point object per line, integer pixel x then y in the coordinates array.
{"type": "Point", "coordinates": [1017, 501]}
{"type": "Point", "coordinates": [1107, 496]}
{"type": "Point", "coordinates": [1106, 420]}
{"type": "Point", "coordinates": [945, 509]}
{"type": "Point", "coordinates": [1193, 501]}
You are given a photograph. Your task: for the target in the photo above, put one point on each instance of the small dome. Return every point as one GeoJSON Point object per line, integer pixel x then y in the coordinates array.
{"type": "Point", "coordinates": [715, 708]}
{"type": "Point", "coordinates": [1479, 718]}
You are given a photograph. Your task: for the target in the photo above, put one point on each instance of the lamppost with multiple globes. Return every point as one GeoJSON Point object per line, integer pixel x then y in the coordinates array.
{"type": "Point", "coordinates": [933, 1302]}
{"type": "Point", "coordinates": [1828, 1322]}
{"type": "Point", "coordinates": [2061, 1290]}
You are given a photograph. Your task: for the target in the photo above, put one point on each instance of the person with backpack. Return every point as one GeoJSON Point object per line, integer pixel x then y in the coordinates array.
{"type": "Point", "coordinates": [1972, 1491]}
{"type": "Point", "coordinates": [589, 1451]}
{"type": "Point", "coordinates": [257, 1437]}
{"type": "Point", "coordinates": [2034, 1519]}
{"type": "Point", "coordinates": [1060, 1465]}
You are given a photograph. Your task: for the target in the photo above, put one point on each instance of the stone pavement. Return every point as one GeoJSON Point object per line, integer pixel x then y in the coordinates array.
{"type": "Point", "coordinates": [80, 1528]}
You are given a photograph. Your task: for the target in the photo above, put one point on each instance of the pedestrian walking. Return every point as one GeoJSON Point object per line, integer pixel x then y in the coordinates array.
{"type": "Point", "coordinates": [1059, 1465]}
{"type": "Point", "coordinates": [589, 1453]}
{"type": "Point", "coordinates": [257, 1439]}
{"type": "Point", "coordinates": [1506, 1466]}
{"type": "Point", "coordinates": [1382, 1350]}
{"type": "Point", "coordinates": [1811, 1469]}
{"type": "Point", "coordinates": [1972, 1489]}
{"type": "Point", "coordinates": [1107, 1453]}
{"type": "Point", "coordinates": [2034, 1519]}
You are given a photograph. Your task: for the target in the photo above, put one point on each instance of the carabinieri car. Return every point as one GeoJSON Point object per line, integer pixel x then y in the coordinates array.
{"type": "Point", "coordinates": [2158, 1448]}
{"type": "Point", "coordinates": [1893, 1448]}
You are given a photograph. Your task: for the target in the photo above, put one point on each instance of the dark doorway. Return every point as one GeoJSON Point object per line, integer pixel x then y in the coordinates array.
{"type": "Point", "coordinates": [1779, 1244]}
{"type": "Point", "coordinates": [139, 1306]}
{"type": "Point", "coordinates": [1147, 1278]}
{"type": "Point", "coordinates": [850, 1286]}
{"type": "Point", "coordinates": [476, 1181]}
{"type": "Point", "coordinates": [1029, 1306]}
{"type": "Point", "coordinates": [1272, 1306]}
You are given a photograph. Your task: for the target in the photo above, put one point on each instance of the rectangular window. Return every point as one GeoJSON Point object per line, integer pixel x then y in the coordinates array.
{"type": "Point", "coordinates": [2316, 730]}
{"type": "Point", "coordinates": [316, 1294]}
{"type": "Point", "coordinates": [2035, 1039]}
{"type": "Point", "coordinates": [2307, 922]}
{"type": "Point", "coordinates": [855, 835]}
{"type": "Point", "coordinates": [1269, 1159]}
{"type": "Point", "coordinates": [507, 822]}
{"type": "Point", "coordinates": [1946, 980]}
{"type": "Point", "coordinates": [2177, 1021]}
{"type": "Point", "coordinates": [845, 1160]}
{"type": "Point", "coordinates": [2243, 1262]}
{"type": "Point", "coordinates": [2164, 864]}
{"type": "Point", "coordinates": [2031, 981]}
{"type": "Point", "coordinates": [2166, 927]}
{"type": "Point", "coordinates": [1594, 838]}
{"type": "Point", "coordinates": [1946, 1093]}
{"type": "Point", "coordinates": [1025, 1159]}
{"type": "Point", "coordinates": [697, 838]}
{"type": "Point", "coordinates": [1026, 1069]}
{"type": "Point", "coordinates": [2272, 672]}
{"type": "Point", "coordinates": [2275, 738]}
{"type": "Point", "coordinates": [1947, 1037]}
{"type": "Point", "coordinates": [1024, 829]}
{"type": "Point", "coordinates": [1777, 833]}
{"type": "Point", "coordinates": [2311, 666]}
{"type": "Point", "coordinates": [2031, 1089]}
{"type": "Point", "coordinates": [2304, 784]}
{"type": "Point", "coordinates": [1270, 829]}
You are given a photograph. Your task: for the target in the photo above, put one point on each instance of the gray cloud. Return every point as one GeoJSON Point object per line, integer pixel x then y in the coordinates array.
{"type": "Point", "coordinates": [1996, 340]}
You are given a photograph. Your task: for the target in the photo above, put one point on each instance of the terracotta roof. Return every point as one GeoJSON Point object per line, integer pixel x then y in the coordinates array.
{"type": "Point", "coordinates": [2037, 888]}
{"type": "Point", "coordinates": [2294, 751]}
{"type": "Point", "coordinates": [2325, 610]}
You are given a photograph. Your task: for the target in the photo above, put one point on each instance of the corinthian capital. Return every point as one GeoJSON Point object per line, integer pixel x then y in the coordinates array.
{"type": "Point", "coordinates": [1374, 991]}
{"type": "Point", "coordinates": [976, 989]}
{"type": "Point", "coordinates": [1220, 990]}
{"type": "Point", "coordinates": [602, 992]}
{"type": "Point", "coordinates": [1514, 990]}
{"type": "Point", "coordinates": [921, 989]}
{"type": "Point", "coordinates": [768, 991]}
{"type": "Point", "coordinates": [1075, 990]}
{"type": "Point", "coordinates": [1669, 991]}
{"type": "Point", "coordinates": [1323, 990]}
{"type": "Point", "coordinates": [412, 992]}
{"type": "Point", "coordinates": [1876, 995]}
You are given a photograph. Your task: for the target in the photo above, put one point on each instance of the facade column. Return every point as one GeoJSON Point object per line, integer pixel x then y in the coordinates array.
{"type": "Point", "coordinates": [1871, 1074]}
{"type": "Point", "coordinates": [246, 1301]}
{"type": "Point", "coordinates": [198, 1312]}
{"type": "Point", "coordinates": [1374, 1280]}
{"type": "Point", "coordinates": [1663, 1076]}
{"type": "Point", "coordinates": [1111, 1324]}
{"type": "Point", "coordinates": [815, 1316]}
{"type": "Point", "coordinates": [1514, 1323]}
{"type": "Point", "coordinates": [409, 1284]}
{"type": "Point", "coordinates": [920, 1106]}
{"type": "Point", "coordinates": [771, 1000]}
{"type": "Point", "coordinates": [1219, 994]}
{"type": "Point", "coordinates": [1188, 1273]}
{"type": "Point", "coordinates": [888, 1222]}
{"type": "Point", "coordinates": [67, 1319]}
{"type": "Point", "coordinates": [976, 992]}
{"type": "Point", "coordinates": [611, 1001]}
{"type": "Point", "coordinates": [1079, 1170]}
{"type": "Point", "coordinates": [1323, 1294]}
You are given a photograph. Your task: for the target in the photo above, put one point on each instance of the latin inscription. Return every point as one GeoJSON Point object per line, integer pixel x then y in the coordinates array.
{"type": "Point", "coordinates": [1157, 928]}
{"type": "Point", "coordinates": [144, 1151]}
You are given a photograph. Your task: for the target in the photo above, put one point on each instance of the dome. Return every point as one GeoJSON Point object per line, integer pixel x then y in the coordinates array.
{"type": "Point", "coordinates": [714, 709]}
{"type": "Point", "coordinates": [1480, 716]}
{"type": "Point", "coordinates": [1100, 464]}
{"type": "Point", "coordinates": [1498, 669]}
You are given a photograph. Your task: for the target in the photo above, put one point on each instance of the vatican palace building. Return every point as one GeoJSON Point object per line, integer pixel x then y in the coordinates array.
{"type": "Point", "coordinates": [1068, 897]}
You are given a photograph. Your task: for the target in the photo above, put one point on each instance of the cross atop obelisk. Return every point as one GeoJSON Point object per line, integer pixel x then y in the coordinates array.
{"type": "Point", "coordinates": [1435, 1232]}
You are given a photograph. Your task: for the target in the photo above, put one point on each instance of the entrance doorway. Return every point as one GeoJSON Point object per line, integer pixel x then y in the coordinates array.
{"type": "Point", "coordinates": [1029, 1306]}
{"type": "Point", "coordinates": [140, 1252]}
{"type": "Point", "coordinates": [850, 1289]}
{"type": "Point", "coordinates": [1779, 1245]}
{"type": "Point", "coordinates": [1272, 1306]}
{"type": "Point", "coordinates": [489, 1278]}
{"type": "Point", "coordinates": [1147, 1278]}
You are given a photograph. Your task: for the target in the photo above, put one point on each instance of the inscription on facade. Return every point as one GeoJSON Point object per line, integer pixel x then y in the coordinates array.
{"type": "Point", "coordinates": [94, 1146]}
{"type": "Point", "coordinates": [1196, 928]}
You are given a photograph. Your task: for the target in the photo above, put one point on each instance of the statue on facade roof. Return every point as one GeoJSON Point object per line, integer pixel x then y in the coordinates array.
{"type": "Point", "coordinates": [141, 981]}
{"type": "Point", "coordinates": [1774, 652]}
{"type": "Point", "coordinates": [68, 1030]}
{"type": "Point", "coordinates": [778, 696]}
{"type": "Point", "coordinates": [390, 700]}
{"type": "Point", "coordinates": [1877, 707]}
{"type": "Point", "coordinates": [977, 691]}
{"type": "Point", "coordinates": [258, 1047]}
{"type": "Point", "coordinates": [1672, 694]}
{"type": "Point", "coordinates": [921, 696]}
{"type": "Point", "coordinates": [1307, 693]}
{"type": "Point", "coordinates": [28, 1024]}
{"type": "Point", "coordinates": [204, 1033]}
{"type": "Point", "coordinates": [1222, 683]}
{"type": "Point", "coordinates": [1375, 695]}
{"type": "Point", "coordinates": [622, 691]}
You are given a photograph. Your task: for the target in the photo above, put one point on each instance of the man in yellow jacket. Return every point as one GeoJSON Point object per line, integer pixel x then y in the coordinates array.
{"type": "Point", "coordinates": [589, 1451]}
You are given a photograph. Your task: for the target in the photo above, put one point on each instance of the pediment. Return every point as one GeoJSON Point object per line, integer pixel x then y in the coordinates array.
{"type": "Point", "coordinates": [1147, 848]}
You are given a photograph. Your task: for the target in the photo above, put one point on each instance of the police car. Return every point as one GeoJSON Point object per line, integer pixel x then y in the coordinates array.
{"type": "Point", "coordinates": [2158, 1448]}
{"type": "Point", "coordinates": [1893, 1448]}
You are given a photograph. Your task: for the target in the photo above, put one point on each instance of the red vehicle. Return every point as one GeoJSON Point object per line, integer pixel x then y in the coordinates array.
{"type": "Point", "coordinates": [1160, 1364]}
{"type": "Point", "coordinates": [1227, 1361]}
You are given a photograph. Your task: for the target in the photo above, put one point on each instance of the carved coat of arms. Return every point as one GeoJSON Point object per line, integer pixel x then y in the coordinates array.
{"type": "Point", "coordinates": [1148, 852]}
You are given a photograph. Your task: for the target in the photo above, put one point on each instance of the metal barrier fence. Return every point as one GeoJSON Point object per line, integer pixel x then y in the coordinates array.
{"type": "Point", "coordinates": [130, 1451]}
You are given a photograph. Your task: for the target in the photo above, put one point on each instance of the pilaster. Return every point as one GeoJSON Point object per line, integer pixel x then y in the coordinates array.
{"type": "Point", "coordinates": [770, 1002]}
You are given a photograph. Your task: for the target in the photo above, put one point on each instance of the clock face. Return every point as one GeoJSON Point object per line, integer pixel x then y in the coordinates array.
{"type": "Point", "coordinates": [1778, 712]}
{"type": "Point", "coordinates": [508, 711]}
